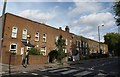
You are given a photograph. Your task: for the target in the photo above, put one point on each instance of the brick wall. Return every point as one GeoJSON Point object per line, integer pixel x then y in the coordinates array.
{"type": "Point", "coordinates": [37, 59]}
{"type": "Point", "coordinates": [17, 59]}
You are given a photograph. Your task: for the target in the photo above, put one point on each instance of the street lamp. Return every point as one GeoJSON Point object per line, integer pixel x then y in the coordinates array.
{"type": "Point", "coordinates": [99, 38]}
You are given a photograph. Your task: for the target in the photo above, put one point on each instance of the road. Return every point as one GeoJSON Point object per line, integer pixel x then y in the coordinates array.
{"type": "Point", "coordinates": [108, 67]}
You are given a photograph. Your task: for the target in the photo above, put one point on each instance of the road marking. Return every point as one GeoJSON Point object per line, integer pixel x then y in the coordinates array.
{"type": "Point", "coordinates": [57, 70]}
{"type": "Point", "coordinates": [69, 71]}
{"type": "Point", "coordinates": [103, 64]}
{"type": "Point", "coordinates": [24, 72]}
{"type": "Point", "coordinates": [101, 70]}
{"type": "Point", "coordinates": [90, 69]}
{"type": "Point", "coordinates": [81, 68]}
{"type": "Point", "coordinates": [45, 76]}
{"type": "Point", "coordinates": [48, 69]}
{"type": "Point", "coordinates": [100, 74]}
{"type": "Point", "coordinates": [82, 73]}
{"type": "Point", "coordinates": [34, 73]}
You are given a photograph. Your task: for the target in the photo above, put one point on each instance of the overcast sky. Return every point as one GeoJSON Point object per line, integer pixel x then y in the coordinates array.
{"type": "Point", "coordinates": [83, 18]}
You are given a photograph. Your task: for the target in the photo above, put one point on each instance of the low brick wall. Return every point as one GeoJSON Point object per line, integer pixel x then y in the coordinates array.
{"type": "Point", "coordinates": [17, 59]}
{"type": "Point", "coordinates": [38, 59]}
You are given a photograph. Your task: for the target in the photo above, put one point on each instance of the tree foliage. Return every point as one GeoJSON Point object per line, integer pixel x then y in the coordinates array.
{"type": "Point", "coordinates": [116, 8]}
{"type": "Point", "coordinates": [34, 51]}
{"type": "Point", "coordinates": [113, 42]}
{"type": "Point", "coordinates": [60, 44]}
{"type": "Point", "coordinates": [59, 53]}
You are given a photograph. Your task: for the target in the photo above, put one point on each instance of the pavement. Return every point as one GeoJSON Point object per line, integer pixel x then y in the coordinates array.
{"type": "Point", "coordinates": [4, 68]}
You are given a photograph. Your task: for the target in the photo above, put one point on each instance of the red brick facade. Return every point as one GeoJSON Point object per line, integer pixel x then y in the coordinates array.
{"type": "Point", "coordinates": [46, 35]}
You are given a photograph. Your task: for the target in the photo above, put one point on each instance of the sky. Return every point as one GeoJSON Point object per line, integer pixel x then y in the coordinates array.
{"type": "Point", "coordinates": [82, 17]}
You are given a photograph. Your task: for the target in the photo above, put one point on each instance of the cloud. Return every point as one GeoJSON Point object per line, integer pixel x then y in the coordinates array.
{"type": "Point", "coordinates": [1, 6]}
{"type": "Point", "coordinates": [85, 8]}
{"type": "Point", "coordinates": [37, 15]}
{"type": "Point", "coordinates": [96, 19]}
{"type": "Point", "coordinates": [87, 25]}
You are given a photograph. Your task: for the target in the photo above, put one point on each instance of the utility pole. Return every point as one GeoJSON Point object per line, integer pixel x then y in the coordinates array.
{"type": "Point", "coordinates": [98, 39]}
{"type": "Point", "coordinates": [99, 50]}
{"type": "Point", "coordinates": [1, 27]}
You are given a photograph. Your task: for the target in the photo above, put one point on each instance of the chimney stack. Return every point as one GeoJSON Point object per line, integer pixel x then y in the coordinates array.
{"type": "Point", "coordinates": [67, 29]}
{"type": "Point", "coordinates": [60, 28]}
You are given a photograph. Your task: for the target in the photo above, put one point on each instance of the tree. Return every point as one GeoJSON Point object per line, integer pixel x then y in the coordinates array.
{"type": "Point", "coordinates": [60, 44]}
{"type": "Point", "coordinates": [113, 42]}
{"type": "Point", "coordinates": [116, 8]}
{"type": "Point", "coordinates": [59, 53]}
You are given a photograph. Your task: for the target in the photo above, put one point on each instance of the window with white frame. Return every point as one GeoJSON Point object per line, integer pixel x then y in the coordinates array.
{"type": "Point", "coordinates": [24, 34]}
{"type": "Point", "coordinates": [37, 36]}
{"type": "Point", "coordinates": [22, 50]}
{"type": "Point", "coordinates": [13, 47]}
{"type": "Point", "coordinates": [80, 43]}
{"type": "Point", "coordinates": [65, 50]}
{"type": "Point", "coordinates": [70, 42]}
{"type": "Point", "coordinates": [43, 50]}
{"type": "Point", "coordinates": [66, 41]}
{"type": "Point", "coordinates": [44, 37]}
{"type": "Point", "coordinates": [85, 44]}
{"type": "Point", "coordinates": [56, 38]}
{"type": "Point", "coordinates": [77, 43]}
{"type": "Point", "coordinates": [14, 32]}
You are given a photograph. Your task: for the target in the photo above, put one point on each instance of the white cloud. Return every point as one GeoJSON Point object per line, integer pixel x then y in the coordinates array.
{"type": "Point", "coordinates": [85, 8]}
{"type": "Point", "coordinates": [97, 19]}
{"type": "Point", "coordinates": [37, 15]}
{"type": "Point", "coordinates": [1, 6]}
{"type": "Point", "coordinates": [87, 25]}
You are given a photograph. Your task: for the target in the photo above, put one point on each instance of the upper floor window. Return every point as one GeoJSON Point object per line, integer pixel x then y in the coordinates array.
{"type": "Point", "coordinates": [56, 38]}
{"type": "Point", "coordinates": [66, 41]}
{"type": "Point", "coordinates": [44, 37]}
{"type": "Point", "coordinates": [77, 43]}
{"type": "Point", "coordinates": [80, 43]}
{"type": "Point", "coordinates": [24, 34]}
{"type": "Point", "coordinates": [86, 45]}
{"type": "Point", "coordinates": [37, 36]}
{"type": "Point", "coordinates": [70, 42]}
{"type": "Point", "coordinates": [14, 32]}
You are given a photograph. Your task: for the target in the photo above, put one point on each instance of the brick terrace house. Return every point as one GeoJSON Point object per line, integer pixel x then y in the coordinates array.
{"type": "Point", "coordinates": [20, 34]}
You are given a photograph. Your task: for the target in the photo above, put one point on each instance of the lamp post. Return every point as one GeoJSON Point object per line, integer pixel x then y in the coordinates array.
{"type": "Point", "coordinates": [99, 39]}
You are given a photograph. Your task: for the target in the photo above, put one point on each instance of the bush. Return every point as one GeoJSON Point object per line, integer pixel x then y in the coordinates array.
{"type": "Point", "coordinates": [34, 51]}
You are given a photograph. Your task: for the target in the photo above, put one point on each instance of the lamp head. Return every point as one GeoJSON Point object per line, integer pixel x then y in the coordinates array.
{"type": "Point", "coordinates": [102, 25]}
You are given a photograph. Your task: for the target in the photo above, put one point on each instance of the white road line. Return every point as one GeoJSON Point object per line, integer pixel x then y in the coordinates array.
{"type": "Point", "coordinates": [45, 76]}
{"type": "Point", "coordinates": [34, 73]}
{"type": "Point", "coordinates": [100, 75]}
{"type": "Point", "coordinates": [82, 73]}
{"type": "Point", "coordinates": [57, 70]}
{"type": "Point", "coordinates": [48, 69]}
{"type": "Point", "coordinates": [24, 72]}
{"type": "Point", "coordinates": [101, 70]}
{"type": "Point", "coordinates": [90, 69]}
{"type": "Point", "coordinates": [81, 68]}
{"type": "Point", "coordinates": [69, 71]}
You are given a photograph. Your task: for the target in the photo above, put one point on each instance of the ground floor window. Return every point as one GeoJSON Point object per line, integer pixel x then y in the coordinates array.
{"type": "Point", "coordinates": [43, 51]}
{"type": "Point", "coordinates": [13, 47]}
